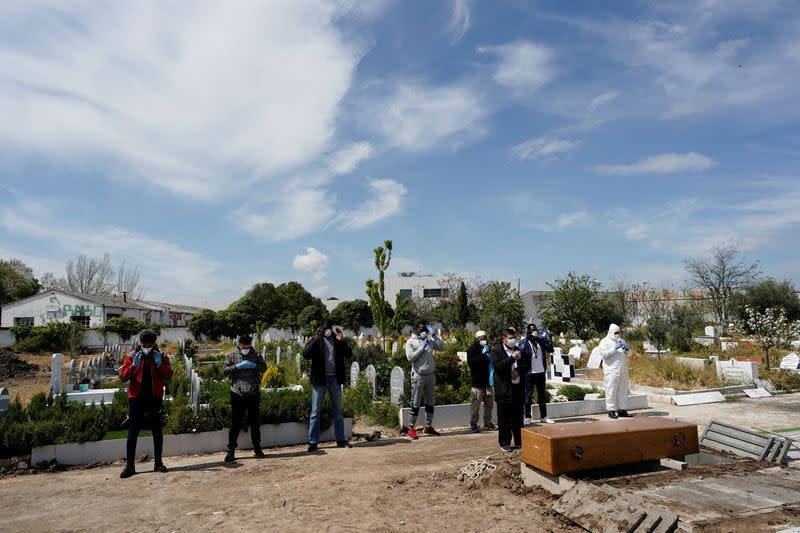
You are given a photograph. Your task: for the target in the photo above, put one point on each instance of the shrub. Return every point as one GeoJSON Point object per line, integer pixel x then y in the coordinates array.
{"type": "Point", "coordinates": [357, 401]}
{"type": "Point", "coordinates": [448, 369]}
{"type": "Point", "coordinates": [211, 372]}
{"type": "Point", "coordinates": [54, 337]}
{"type": "Point", "coordinates": [447, 394]}
{"type": "Point", "coordinates": [782, 379]}
{"type": "Point", "coordinates": [273, 377]}
{"type": "Point", "coordinates": [181, 417]}
{"type": "Point", "coordinates": [385, 413]}
{"type": "Point", "coordinates": [573, 393]}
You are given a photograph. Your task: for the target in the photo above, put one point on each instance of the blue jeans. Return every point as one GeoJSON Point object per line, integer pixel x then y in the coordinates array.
{"type": "Point", "coordinates": [317, 396]}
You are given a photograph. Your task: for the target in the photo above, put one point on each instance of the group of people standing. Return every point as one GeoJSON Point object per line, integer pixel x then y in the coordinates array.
{"type": "Point", "coordinates": [507, 375]}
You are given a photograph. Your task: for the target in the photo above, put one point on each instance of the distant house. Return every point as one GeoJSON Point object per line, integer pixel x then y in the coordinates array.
{"type": "Point", "coordinates": [331, 303]}
{"type": "Point", "coordinates": [90, 310]}
{"type": "Point", "coordinates": [410, 285]}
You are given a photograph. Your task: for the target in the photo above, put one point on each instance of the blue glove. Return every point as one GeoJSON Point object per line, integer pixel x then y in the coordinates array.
{"type": "Point", "coordinates": [137, 359]}
{"type": "Point", "coordinates": [430, 331]}
{"type": "Point", "coordinates": [245, 365]}
{"type": "Point", "coordinates": [486, 349]}
{"type": "Point", "coordinates": [544, 334]}
{"type": "Point", "coordinates": [157, 358]}
{"type": "Point", "coordinates": [623, 345]}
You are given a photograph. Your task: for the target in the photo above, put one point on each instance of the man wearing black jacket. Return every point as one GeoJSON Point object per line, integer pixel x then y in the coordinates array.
{"type": "Point", "coordinates": [480, 367]}
{"type": "Point", "coordinates": [327, 353]}
{"type": "Point", "coordinates": [536, 347]}
{"type": "Point", "coordinates": [245, 366]}
{"type": "Point", "coordinates": [509, 367]}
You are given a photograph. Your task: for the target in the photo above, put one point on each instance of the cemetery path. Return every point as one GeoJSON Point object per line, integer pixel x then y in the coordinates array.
{"type": "Point", "coordinates": [387, 485]}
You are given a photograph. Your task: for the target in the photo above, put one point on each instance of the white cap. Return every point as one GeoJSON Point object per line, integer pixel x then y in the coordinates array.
{"type": "Point", "coordinates": [480, 333]}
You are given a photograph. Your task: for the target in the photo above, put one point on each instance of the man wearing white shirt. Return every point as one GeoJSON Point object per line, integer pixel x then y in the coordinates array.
{"type": "Point", "coordinates": [535, 347]}
{"type": "Point", "coordinates": [509, 367]}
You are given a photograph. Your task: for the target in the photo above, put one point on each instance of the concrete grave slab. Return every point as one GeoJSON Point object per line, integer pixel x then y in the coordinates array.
{"type": "Point", "coordinates": [757, 393]}
{"type": "Point", "coordinates": [698, 398]}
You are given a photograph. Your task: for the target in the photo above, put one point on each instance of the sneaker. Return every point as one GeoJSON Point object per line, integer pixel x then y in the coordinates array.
{"type": "Point", "coordinates": [229, 457]}
{"type": "Point", "coordinates": [128, 471]}
{"type": "Point", "coordinates": [612, 414]}
{"type": "Point", "coordinates": [547, 420]}
{"type": "Point", "coordinates": [159, 467]}
{"type": "Point", "coordinates": [474, 427]}
{"type": "Point", "coordinates": [490, 426]}
{"type": "Point", "coordinates": [428, 430]}
{"type": "Point", "coordinates": [343, 444]}
{"type": "Point", "coordinates": [258, 452]}
{"type": "Point", "coordinates": [312, 447]}
{"type": "Point", "coordinates": [412, 434]}
{"type": "Point", "coordinates": [506, 448]}
{"type": "Point", "coordinates": [624, 413]}
{"type": "Point", "coordinates": [527, 422]}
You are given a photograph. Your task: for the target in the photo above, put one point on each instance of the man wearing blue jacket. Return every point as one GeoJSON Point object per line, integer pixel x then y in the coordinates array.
{"type": "Point", "coordinates": [479, 360]}
{"type": "Point", "coordinates": [536, 347]}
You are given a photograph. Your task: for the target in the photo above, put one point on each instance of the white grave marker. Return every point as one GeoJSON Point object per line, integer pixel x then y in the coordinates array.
{"type": "Point", "coordinates": [709, 331]}
{"type": "Point", "coordinates": [354, 372]}
{"type": "Point", "coordinates": [757, 393]}
{"type": "Point", "coordinates": [371, 377]}
{"type": "Point", "coordinates": [737, 371]}
{"type": "Point", "coordinates": [595, 359]}
{"type": "Point", "coordinates": [790, 362]}
{"type": "Point", "coordinates": [55, 374]}
{"type": "Point", "coordinates": [398, 383]}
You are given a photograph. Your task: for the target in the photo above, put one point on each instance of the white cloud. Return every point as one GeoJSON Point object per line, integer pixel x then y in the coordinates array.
{"type": "Point", "coordinates": [347, 159]}
{"type": "Point", "coordinates": [459, 19]}
{"type": "Point", "coordinates": [636, 232]}
{"type": "Point", "coordinates": [565, 220]}
{"type": "Point", "coordinates": [660, 164]}
{"type": "Point", "coordinates": [523, 66]}
{"type": "Point", "coordinates": [162, 93]}
{"type": "Point", "coordinates": [543, 147]}
{"type": "Point", "coordinates": [416, 116]}
{"type": "Point", "coordinates": [599, 100]}
{"type": "Point", "coordinates": [312, 260]}
{"type": "Point", "coordinates": [319, 276]}
{"type": "Point", "coordinates": [386, 200]}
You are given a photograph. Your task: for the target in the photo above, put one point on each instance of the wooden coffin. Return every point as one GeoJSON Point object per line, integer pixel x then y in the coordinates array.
{"type": "Point", "coordinates": [572, 447]}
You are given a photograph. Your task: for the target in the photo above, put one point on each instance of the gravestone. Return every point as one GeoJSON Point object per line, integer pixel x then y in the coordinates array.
{"type": "Point", "coordinates": [360, 339]}
{"type": "Point", "coordinates": [55, 374]}
{"type": "Point", "coordinates": [278, 356]}
{"type": "Point", "coordinates": [462, 356]}
{"type": "Point", "coordinates": [790, 362]}
{"type": "Point", "coordinates": [562, 367]}
{"type": "Point", "coordinates": [709, 331]}
{"type": "Point", "coordinates": [196, 398]}
{"type": "Point", "coordinates": [90, 370]}
{"type": "Point", "coordinates": [289, 352]}
{"type": "Point", "coordinates": [297, 361]}
{"type": "Point", "coordinates": [264, 352]}
{"type": "Point", "coordinates": [575, 352]}
{"type": "Point", "coordinates": [595, 359]}
{"type": "Point", "coordinates": [72, 377]}
{"type": "Point", "coordinates": [737, 371]}
{"type": "Point", "coordinates": [189, 366]}
{"type": "Point", "coordinates": [398, 383]}
{"type": "Point", "coordinates": [371, 376]}
{"type": "Point", "coordinates": [81, 373]}
{"type": "Point", "coordinates": [394, 347]}
{"type": "Point", "coordinates": [5, 401]}
{"type": "Point", "coordinates": [354, 372]}
{"type": "Point", "coordinates": [757, 393]}
{"type": "Point", "coordinates": [102, 369]}
{"type": "Point", "coordinates": [728, 345]}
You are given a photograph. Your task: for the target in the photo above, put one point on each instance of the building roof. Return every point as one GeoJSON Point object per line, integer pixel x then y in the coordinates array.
{"type": "Point", "coordinates": [113, 301]}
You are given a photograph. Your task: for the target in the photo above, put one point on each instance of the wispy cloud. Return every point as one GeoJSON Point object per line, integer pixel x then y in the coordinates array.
{"type": "Point", "coordinates": [459, 19]}
{"type": "Point", "coordinates": [347, 159]}
{"type": "Point", "coordinates": [565, 220]}
{"type": "Point", "coordinates": [386, 199]}
{"type": "Point", "coordinates": [316, 263]}
{"type": "Point", "coordinates": [543, 147]}
{"type": "Point", "coordinates": [599, 100]}
{"type": "Point", "coordinates": [523, 66]}
{"type": "Point", "coordinates": [660, 164]}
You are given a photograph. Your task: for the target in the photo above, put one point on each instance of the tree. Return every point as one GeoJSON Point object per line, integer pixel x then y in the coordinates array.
{"type": "Point", "coordinates": [500, 307]}
{"type": "Point", "coordinates": [658, 327]}
{"type": "Point", "coordinates": [721, 276]}
{"type": "Point", "coordinates": [376, 291]}
{"type": "Point", "coordinates": [89, 275]}
{"type": "Point", "coordinates": [462, 305]}
{"type": "Point", "coordinates": [684, 319]}
{"type": "Point", "coordinates": [765, 294]}
{"type": "Point", "coordinates": [128, 281]}
{"type": "Point", "coordinates": [16, 281]}
{"type": "Point", "coordinates": [125, 327]}
{"type": "Point", "coordinates": [312, 316]}
{"type": "Point", "coordinates": [294, 299]}
{"type": "Point", "coordinates": [269, 302]}
{"type": "Point", "coordinates": [205, 322]}
{"type": "Point", "coordinates": [238, 318]}
{"type": "Point", "coordinates": [352, 314]}
{"type": "Point", "coordinates": [575, 306]}
{"type": "Point", "coordinates": [771, 328]}
{"type": "Point", "coordinates": [50, 282]}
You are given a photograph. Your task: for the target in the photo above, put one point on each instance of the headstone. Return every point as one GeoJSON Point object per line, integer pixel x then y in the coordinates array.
{"type": "Point", "coordinates": [264, 352]}
{"type": "Point", "coordinates": [698, 398]}
{"type": "Point", "coordinates": [757, 393]}
{"type": "Point", "coordinates": [592, 396]}
{"type": "Point", "coordinates": [575, 352]}
{"type": "Point", "coordinates": [595, 359]}
{"type": "Point", "coordinates": [354, 372]}
{"type": "Point", "coordinates": [55, 374]}
{"type": "Point", "coordinates": [737, 371]}
{"type": "Point", "coordinates": [765, 384]}
{"type": "Point", "coordinates": [790, 362]}
{"type": "Point", "coordinates": [81, 373]}
{"type": "Point", "coordinates": [102, 365]}
{"type": "Point", "coordinates": [562, 367]}
{"type": "Point", "coordinates": [728, 345]}
{"type": "Point", "coordinates": [5, 401]}
{"type": "Point", "coordinates": [709, 331]}
{"type": "Point", "coordinates": [189, 365]}
{"type": "Point", "coordinates": [462, 356]}
{"type": "Point", "coordinates": [360, 339]}
{"type": "Point", "coordinates": [371, 376]}
{"type": "Point", "coordinates": [278, 356]}
{"type": "Point", "coordinates": [196, 399]}
{"type": "Point", "coordinates": [297, 361]}
{"type": "Point", "coordinates": [394, 347]}
{"type": "Point", "coordinates": [289, 352]}
{"type": "Point", "coordinates": [398, 383]}
{"type": "Point", "coordinates": [72, 377]}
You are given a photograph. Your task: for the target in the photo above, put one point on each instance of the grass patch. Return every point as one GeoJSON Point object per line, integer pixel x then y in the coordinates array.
{"type": "Point", "coordinates": [665, 372]}
{"type": "Point", "coordinates": [123, 434]}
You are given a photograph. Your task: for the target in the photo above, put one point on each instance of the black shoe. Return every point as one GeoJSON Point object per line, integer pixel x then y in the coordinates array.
{"type": "Point", "coordinates": [624, 413]}
{"type": "Point", "coordinates": [612, 414]}
{"type": "Point", "coordinates": [229, 457]}
{"type": "Point", "coordinates": [312, 447]}
{"type": "Point", "coordinates": [128, 471]}
{"type": "Point", "coordinates": [343, 444]}
{"type": "Point", "coordinates": [159, 467]}
{"type": "Point", "coordinates": [259, 453]}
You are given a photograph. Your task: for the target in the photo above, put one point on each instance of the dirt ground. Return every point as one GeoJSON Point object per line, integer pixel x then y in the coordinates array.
{"type": "Point", "coordinates": [26, 385]}
{"type": "Point", "coordinates": [385, 485]}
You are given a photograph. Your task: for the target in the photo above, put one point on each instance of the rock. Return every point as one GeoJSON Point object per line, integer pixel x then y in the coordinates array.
{"type": "Point", "coordinates": [22, 465]}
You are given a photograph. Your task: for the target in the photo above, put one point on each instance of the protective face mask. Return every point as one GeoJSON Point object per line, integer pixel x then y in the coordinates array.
{"type": "Point", "coordinates": [245, 352]}
{"type": "Point", "coordinates": [147, 350]}
{"type": "Point", "coordinates": [423, 335]}
{"type": "Point", "coordinates": [328, 333]}
{"type": "Point", "coordinates": [616, 336]}
{"type": "Point", "coordinates": [511, 343]}
{"type": "Point", "coordinates": [483, 343]}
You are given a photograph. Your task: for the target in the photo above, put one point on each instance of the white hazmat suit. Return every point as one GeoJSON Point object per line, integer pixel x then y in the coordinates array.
{"type": "Point", "coordinates": [615, 369]}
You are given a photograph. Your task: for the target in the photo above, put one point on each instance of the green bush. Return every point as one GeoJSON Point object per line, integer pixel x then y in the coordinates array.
{"type": "Point", "coordinates": [385, 413]}
{"type": "Point", "coordinates": [573, 393]}
{"type": "Point", "coordinates": [782, 379]}
{"type": "Point", "coordinates": [448, 369]}
{"type": "Point", "coordinates": [181, 417]}
{"type": "Point", "coordinates": [54, 337]}
{"type": "Point", "coordinates": [357, 401]}
{"type": "Point", "coordinates": [21, 332]}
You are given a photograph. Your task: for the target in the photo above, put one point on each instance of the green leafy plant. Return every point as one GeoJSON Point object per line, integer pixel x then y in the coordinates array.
{"type": "Point", "coordinates": [573, 393]}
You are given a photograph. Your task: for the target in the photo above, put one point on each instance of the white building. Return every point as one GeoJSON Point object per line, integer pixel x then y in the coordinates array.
{"type": "Point", "coordinates": [90, 310]}
{"type": "Point", "coordinates": [410, 285]}
{"type": "Point", "coordinates": [331, 303]}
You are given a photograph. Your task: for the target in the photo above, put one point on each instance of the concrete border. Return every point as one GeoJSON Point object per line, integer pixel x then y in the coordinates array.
{"type": "Point", "coordinates": [556, 485]}
{"type": "Point", "coordinates": [272, 435]}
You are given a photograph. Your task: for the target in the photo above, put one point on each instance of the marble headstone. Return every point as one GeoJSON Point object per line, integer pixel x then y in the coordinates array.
{"type": "Point", "coordinates": [55, 373]}
{"type": "Point", "coordinates": [595, 359]}
{"type": "Point", "coordinates": [709, 331]}
{"type": "Point", "coordinates": [790, 362]}
{"type": "Point", "coordinates": [371, 376]}
{"type": "Point", "coordinates": [81, 373]}
{"type": "Point", "coordinates": [278, 356]}
{"type": "Point", "coordinates": [354, 371]}
{"type": "Point", "coordinates": [737, 371]}
{"type": "Point", "coordinates": [71, 375]}
{"type": "Point", "coordinates": [398, 383]}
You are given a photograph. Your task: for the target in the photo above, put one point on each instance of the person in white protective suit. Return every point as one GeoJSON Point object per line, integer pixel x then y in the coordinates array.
{"type": "Point", "coordinates": [615, 351]}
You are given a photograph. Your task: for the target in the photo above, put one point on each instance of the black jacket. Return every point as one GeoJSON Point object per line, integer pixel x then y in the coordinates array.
{"type": "Point", "coordinates": [545, 345]}
{"type": "Point", "coordinates": [316, 353]}
{"type": "Point", "coordinates": [502, 374]}
{"type": "Point", "coordinates": [478, 366]}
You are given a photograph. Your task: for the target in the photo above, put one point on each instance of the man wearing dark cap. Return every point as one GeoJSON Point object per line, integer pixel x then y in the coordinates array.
{"type": "Point", "coordinates": [145, 370]}
{"type": "Point", "coordinates": [245, 366]}
{"type": "Point", "coordinates": [327, 353]}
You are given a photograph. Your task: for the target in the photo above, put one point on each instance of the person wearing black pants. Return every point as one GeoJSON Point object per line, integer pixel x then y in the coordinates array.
{"type": "Point", "coordinates": [145, 370]}
{"type": "Point", "coordinates": [509, 367]}
{"type": "Point", "coordinates": [245, 366]}
{"type": "Point", "coordinates": [535, 347]}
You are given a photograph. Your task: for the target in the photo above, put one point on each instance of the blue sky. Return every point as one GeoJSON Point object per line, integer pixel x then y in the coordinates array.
{"type": "Point", "coordinates": [216, 145]}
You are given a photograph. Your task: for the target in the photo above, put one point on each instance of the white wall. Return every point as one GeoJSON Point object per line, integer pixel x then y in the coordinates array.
{"type": "Point", "coordinates": [46, 308]}
{"type": "Point", "coordinates": [417, 284]}
{"type": "Point", "coordinates": [94, 340]}
{"type": "Point", "coordinates": [6, 338]}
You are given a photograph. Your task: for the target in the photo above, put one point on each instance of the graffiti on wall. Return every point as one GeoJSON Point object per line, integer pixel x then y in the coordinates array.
{"type": "Point", "coordinates": [53, 313]}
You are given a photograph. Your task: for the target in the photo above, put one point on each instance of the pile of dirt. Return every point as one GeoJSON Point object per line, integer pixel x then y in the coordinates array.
{"type": "Point", "coordinates": [12, 366]}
